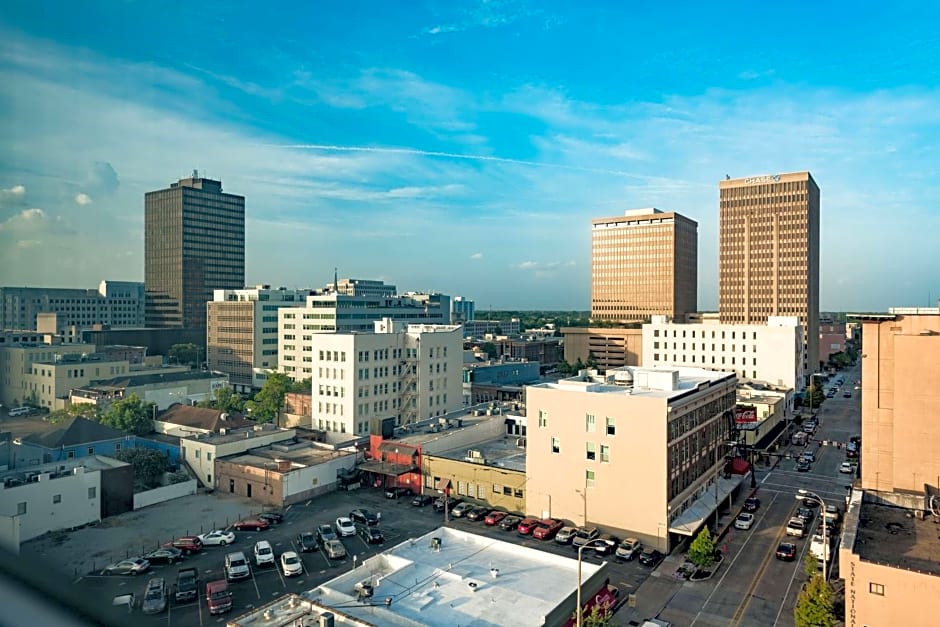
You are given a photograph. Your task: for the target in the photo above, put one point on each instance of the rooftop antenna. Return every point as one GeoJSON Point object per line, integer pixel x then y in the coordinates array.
{"type": "Point", "coordinates": [336, 280]}
{"type": "Point", "coordinates": [195, 173]}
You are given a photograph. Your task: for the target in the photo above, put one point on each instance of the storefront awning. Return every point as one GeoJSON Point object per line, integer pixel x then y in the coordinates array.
{"type": "Point", "coordinates": [386, 468]}
{"type": "Point", "coordinates": [690, 521]}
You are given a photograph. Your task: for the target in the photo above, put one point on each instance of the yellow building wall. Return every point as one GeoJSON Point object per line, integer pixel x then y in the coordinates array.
{"type": "Point", "coordinates": [488, 483]}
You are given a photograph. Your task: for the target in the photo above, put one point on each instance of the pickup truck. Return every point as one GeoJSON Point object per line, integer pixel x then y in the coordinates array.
{"type": "Point", "coordinates": [187, 583]}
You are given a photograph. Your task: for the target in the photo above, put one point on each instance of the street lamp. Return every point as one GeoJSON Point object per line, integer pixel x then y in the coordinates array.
{"type": "Point", "coordinates": [825, 558]}
{"type": "Point", "coordinates": [580, 549]}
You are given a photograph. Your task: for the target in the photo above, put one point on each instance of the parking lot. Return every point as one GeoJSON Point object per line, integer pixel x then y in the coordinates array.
{"type": "Point", "coordinates": [399, 521]}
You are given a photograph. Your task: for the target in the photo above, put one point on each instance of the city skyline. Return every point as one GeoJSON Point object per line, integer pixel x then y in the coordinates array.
{"type": "Point", "coordinates": [405, 147]}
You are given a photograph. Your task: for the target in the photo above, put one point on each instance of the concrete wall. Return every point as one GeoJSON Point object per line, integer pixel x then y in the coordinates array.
{"type": "Point", "coordinates": [75, 506]}
{"type": "Point", "coordinates": [303, 483]}
{"type": "Point", "coordinates": [906, 600]}
{"type": "Point", "coordinates": [610, 347]}
{"type": "Point", "coordinates": [10, 534]}
{"type": "Point", "coordinates": [164, 493]}
{"type": "Point", "coordinates": [483, 484]}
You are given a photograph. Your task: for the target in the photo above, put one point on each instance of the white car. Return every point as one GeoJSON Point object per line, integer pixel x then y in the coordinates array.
{"type": "Point", "coordinates": [291, 564]}
{"type": "Point", "coordinates": [345, 527]}
{"type": "Point", "coordinates": [847, 468]}
{"type": "Point", "coordinates": [264, 554]}
{"type": "Point", "coordinates": [218, 537]}
{"type": "Point", "coordinates": [744, 520]}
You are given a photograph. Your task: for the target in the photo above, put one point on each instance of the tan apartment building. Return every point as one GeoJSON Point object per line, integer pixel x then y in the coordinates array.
{"type": "Point", "coordinates": [639, 451]}
{"type": "Point", "coordinates": [768, 253]}
{"type": "Point", "coordinates": [610, 348]}
{"type": "Point", "coordinates": [18, 352]}
{"type": "Point", "coordinates": [241, 332]}
{"type": "Point", "coordinates": [643, 263]}
{"type": "Point", "coordinates": [201, 450]}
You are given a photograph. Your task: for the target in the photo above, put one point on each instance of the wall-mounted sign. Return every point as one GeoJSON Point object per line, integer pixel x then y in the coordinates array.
{"type": "Point", "coordinates": [745, 414]}
{"type": "Point", "coordinates": [767, 178]}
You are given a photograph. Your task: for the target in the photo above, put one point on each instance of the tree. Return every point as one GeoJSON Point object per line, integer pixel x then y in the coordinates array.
{"type": "Point", "coordinates": [149, 465]}
{"type": "Point", "coordinates": [490, 349]}
{"type": "Point", "coordinates": [85, 410]}
{"type": "Point", "coordinates": [814, 606]}
{"type": "Point", "coordinates": [270, 399]}
{"type": "Point", "coordinates": [130, 415]}
{"type": "Point", "coordinates": [185, 354]}
{"type": "Point", "coordinates": [225, 399]}
{"type": "Point", "coordinates": [597, 616]}
{"type": "Point", "coordinates": [810, 565]}
{"type": "Point", "coordinates": [302, 386]}
{"type": "Point", "coordinates": [815, 395]}
{"type": "Point", "coordinates": [702, 549]}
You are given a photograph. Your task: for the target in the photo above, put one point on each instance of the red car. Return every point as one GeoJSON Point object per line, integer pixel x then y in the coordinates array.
{"type": "Point", "coordinates": [251, 524]}
{"type": "Point", "coordinates": [495, 517]}
{"type": "Point", "coordinates": [527, 525]}
{"type": "Point", "coordinates": [186, 544]}
{"type": "Point", "coordinates": [547, 529]}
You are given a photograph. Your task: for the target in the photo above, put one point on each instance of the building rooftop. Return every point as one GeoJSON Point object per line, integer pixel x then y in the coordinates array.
{"type": "Point", "coordinates": [72, 432]}
{"type": "Point", "coordinates": [466, 579]}
{"type": "Point", "coordinates": [659, 382]}
{"type": "Point", "coordinates": [258, 430]}
{"type": "Point", "coordinates": [203, 418]}
{"type": "Point", "coordinates": [133, 380]}
{"type": "Point", "coordinates": [467, 417]}
{"type": "Point", "coordinates": [502, 452]}
{"type": "Point", "coordinates": [92, 463]}
{"type": "Point", "coordinates": [292, 455]}
{"type": "Point", "coordinates": [895, 537]}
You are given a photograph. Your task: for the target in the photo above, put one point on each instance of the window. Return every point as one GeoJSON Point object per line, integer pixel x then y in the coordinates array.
{"type": "Point", "coordinates": [589, 478]}
{"type": "Point", "coordinates": [208, 456]}
{"type": "Point", "coordinates": [876, 588]}
{"type": "Point", "coordinates": [91, 450]}
{"type": "Point", "coordinates": [197, 453]}
{"type": "Point", "coordinates": [209, 479]}
{"type": "Point", "coordinates": [543, 418]}
{"type": "Point", "coordinates": [611, 426]}
{"type": "Point", "coordinates": [556, 445]}
{"type": "Point", "coordinates": [92, 492]}
{"type": "Point", "coordinates": [507, 491]}
{"type": "Point", "coordinates": [56, 498]}
{"type": "Point", "coordinates": [591, 451]}
{"type": "Point", "coordinates": [590, 423]}
{"type": "Point", "coordinates": [497, 488]}
{"type": "Point", "coordinates": [605, 454]}
{"type": "Point", "coordinates": [21, 508]}
{"type": "Point", "coordinates": [517, 493]}
{"type": "Point", "coordinates": [117, 447]}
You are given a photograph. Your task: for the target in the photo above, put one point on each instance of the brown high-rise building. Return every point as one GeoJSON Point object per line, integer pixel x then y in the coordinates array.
{"type": "Point", "coordinates": [644, 263]}
{"type": "Point", "coordinates": [768, 253]}
{"type": "Point", "coordinates": [194, 244]}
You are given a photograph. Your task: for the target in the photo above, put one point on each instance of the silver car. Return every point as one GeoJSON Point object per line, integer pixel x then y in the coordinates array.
{"type": "Point", "coordinates": [154, 597]}
{"type": "Point", "coordinates": [334, 549]}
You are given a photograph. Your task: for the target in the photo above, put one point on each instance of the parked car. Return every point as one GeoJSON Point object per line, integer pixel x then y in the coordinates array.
{"type": "Point", "coordinates": [606, 544]}
{"type": "Point", "coordinates": [628, 549]}
{"type": "Point", "coordinates": [650, 557]}
{"type": "Point", "coordinates": [744, 520]}
{"type": "Point", "coordinates": [527, 525]}
{"type": "Point", "coordinates": [478, 513]}
{"type": "Point", "coordinates": [805, 514]}
{"type": "Point", "coordinates": [307, 542]}
{"type": "Point", "coordinates": [439, 504]}
{"type": "Point", "coordinates": [131, 566]}
{"type": "Point", "coordinates": [370, 534]}
{"type": "Point", "coordinates": [547, 529]}
{"type": "Point", "coordinates": [832, 514]}
{"type": "Point", "coordinates": [818, 545]}
{"type": "Point", "coordinates": [364, 517]}
{"type": "Point", "coordinates": [584, 535]}
{"type": "Point", "coordinates": [187, 585]}
{"type": "Point", "coordinates": [829, 530]}
{"type": "Point", "coordinates": [751, 504]}
{"type": "Point", "coordinates": [796, 527]}
{"type": "Point", "coordinates": [169, 555]}
{"type": "Point", "coordinates": [810, 503]}
{"type": "Point", "coordinates": [847, 394]}
{"type": "Point", "coordinates": [154, 596]}
{"type": "Point", "coordinates": [565, 535]}
{"type": "Point", "coordinates": [422, 500]}
{"type": "Point", "coordinates": [495, 517]}
{"type": "Point", "coordinates": [325, 533]}
{"type": "Point", "coordinates": [272, 518]}
{"type": "Point", "coordinates": [251, 524]}
{"type": "Point", "coordinates": [126, 602]}
{"type": "Point", "coordinates": [291, 564]}
{"type": "Point", "coordinates": [219, 537]}
{"type": "Point", "coordinates": [218, 597]}
{"type": "Point", "coordinates": [186, 544]}
{"type": "Point", "coordinates": [264, 554]}
{"type": "Point", "coordinates": [236, 566]}
{"type": "Point", "coordinates": [335, 550]}
{"type": "Point", "coordinates": [461, 510]}
{"type": "Point", "coordinates": [397, 492]}
{"type": "Point", "coordinates": [345, 527]}
{"type": "Point", "coordinates": [786, 551]}
{"type": "Point", "coordinates": [847, 468]}
{"type": "Point", "coordinates": [510, 522]}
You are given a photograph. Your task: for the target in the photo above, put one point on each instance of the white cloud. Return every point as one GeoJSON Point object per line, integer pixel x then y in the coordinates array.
{"type": "Point", "coordinates": [82, 199]}
{"type": "Point", "coordinates": [26, 219]}
{"type": "Point", "coordinates": [476, 256]}
{"type": "Point", "coordinates": [17, 191]}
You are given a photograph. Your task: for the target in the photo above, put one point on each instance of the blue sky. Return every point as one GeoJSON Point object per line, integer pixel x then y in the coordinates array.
{"type": "Point", "coordinates": [465, 146]}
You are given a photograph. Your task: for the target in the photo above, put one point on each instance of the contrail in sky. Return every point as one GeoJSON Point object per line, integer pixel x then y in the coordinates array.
{"type": "Point", "coordinates": [454, 155]}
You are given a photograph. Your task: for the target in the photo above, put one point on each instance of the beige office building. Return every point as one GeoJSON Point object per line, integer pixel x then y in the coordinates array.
{"type": "Point", "coordinates": [609, 348]}
{"type": "Point", "coordinates": [638, 451]}
{"type": "Point", "coordinates": [768, 253]}
{"type": "Point", "coordinates": [643, 263]}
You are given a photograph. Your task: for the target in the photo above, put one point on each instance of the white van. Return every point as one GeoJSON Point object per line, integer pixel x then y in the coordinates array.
{"type": "Point", "coordinates": [796, 527]}
{"type": "Point", "coordinates": [20, 411]}
{"type": "Point", "coordinates": [818, 545]}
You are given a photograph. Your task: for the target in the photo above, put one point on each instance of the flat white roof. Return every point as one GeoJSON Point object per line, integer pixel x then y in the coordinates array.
{"type": "Point", "coordinates": [657, 381]}
{"type": "Point", "coordinates": [454, 584]}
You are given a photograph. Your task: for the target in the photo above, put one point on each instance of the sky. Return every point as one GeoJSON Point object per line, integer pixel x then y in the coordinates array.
{"type": "Point", "coordinates": [465, 146]}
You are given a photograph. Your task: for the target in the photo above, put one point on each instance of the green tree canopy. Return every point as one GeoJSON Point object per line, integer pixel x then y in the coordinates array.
{"type": "Point", "coordinates": [490, 349]}
{"type": "Point", "coordinates": [130, 415]}
{"type": "Point", "coordinates": [268, 402]}
{"type": "Point", "coordinates": [597, 616]}
{"type": "Point", "coordinates": [149, 465]}
{"type": "Point", "coordinates": [185, 354]}
{"type": "Point", "coordinates": [814, 606]}
{"type": "Point", "coordinates": [302, 386]}
{"type": "Point", "coordinates": [702, 549]}
{"type": "Point", "coordinates": [225, 399]}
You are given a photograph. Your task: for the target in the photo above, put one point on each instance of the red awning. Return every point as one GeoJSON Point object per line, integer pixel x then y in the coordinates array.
{"type": "Point", "coordinates": [739, 466]}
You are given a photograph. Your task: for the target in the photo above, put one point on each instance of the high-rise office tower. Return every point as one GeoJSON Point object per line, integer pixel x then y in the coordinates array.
{"type": "Point", "coordinates": [768, 253]}
{"type": "Point", "coordinates": [643, 264]}
{"type": "Point", "coordinates": [194, 244]}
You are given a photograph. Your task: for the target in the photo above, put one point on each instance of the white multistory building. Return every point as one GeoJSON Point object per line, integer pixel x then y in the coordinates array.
{"type": "Point", "coordinates": [333, 312]}
{"type": "Point", "coordinates": [409, 372]}
{"type": "Point", "coordinates": [242, 332]}
{"type": "Point", "coordinates": [771, 352]}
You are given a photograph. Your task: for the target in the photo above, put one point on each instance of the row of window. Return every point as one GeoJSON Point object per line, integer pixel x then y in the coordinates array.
{"type": "Point", "coordinates": [590, 422]}
{"type": "Point", "coordinates": [590, 451]}
{"type": "Point", "coordinates": [21, 508]}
